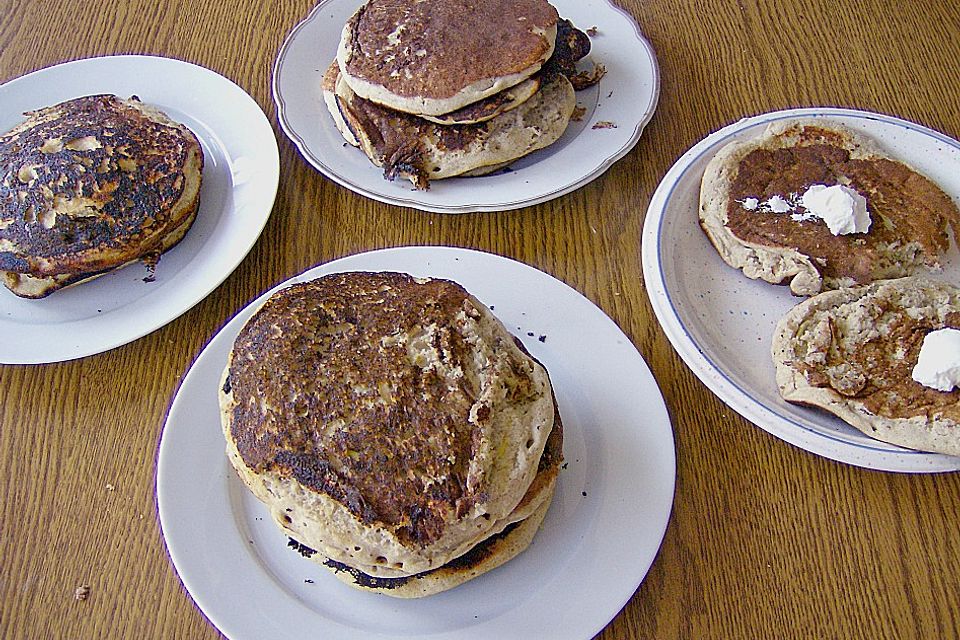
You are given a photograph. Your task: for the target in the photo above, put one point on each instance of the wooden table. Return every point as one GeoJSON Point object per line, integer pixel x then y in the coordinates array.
{"type": "Point", "coordinates": [765, 540]}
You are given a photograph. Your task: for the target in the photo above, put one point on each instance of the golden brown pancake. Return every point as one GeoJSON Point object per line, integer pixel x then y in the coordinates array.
{"type": "Point", "coordinates": [392, 422]}
{"type": "Point", "coordinates": [852, 352]}
{"type": "Point", "coordinates": [910, 214]}
{"type": "Point", "coordinates": [435, 56]}
{"type": "Point", "coordinates": [90, 185]}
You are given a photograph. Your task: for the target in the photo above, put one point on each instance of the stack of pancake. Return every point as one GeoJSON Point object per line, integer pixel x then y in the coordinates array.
{"type": "Point", "coordinates": [395, 429]}
{"type": "Point", "coordinates": [431, 89]}
{"type": "Point", "coordinates": [90, 185]}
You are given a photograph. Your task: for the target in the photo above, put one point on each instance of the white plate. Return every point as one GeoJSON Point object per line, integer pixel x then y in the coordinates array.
{"type": "Point", "coordinates": [240, 174]}
{"type": "Point", "coordinates": [599, 538]}
{"type": "Point", "coordinates": [626, 96]}
{"type": "Point", "coordinates": [721, 322]}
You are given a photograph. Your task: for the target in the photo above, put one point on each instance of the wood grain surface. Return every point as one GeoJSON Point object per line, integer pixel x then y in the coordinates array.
{"type": "Point", "coordinates": [765, 540]}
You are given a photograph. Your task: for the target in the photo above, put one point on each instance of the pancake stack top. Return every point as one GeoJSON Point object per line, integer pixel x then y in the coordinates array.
{"type": "Point", "coordinates": [431, 89]}
{"type": "Point", "coordinates": [394, 427]}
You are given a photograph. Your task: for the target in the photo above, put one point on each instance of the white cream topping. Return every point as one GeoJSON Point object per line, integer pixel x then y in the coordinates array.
{"type": "Point", "coordinates": [938, 366]}
{"type": "Point", "coordinates": [841, 208]}
{"type": "Point", "coordinates": [778, 204]}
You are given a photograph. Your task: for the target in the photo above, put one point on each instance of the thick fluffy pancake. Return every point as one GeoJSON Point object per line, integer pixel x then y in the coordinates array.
{"type": "Point", "coordinates": [910, 214]}
{"type": "Point", "coordinates": [421, 151]}
{"type": "Point", "coordinates": [89, 185]}
{"type": "Point", "coordinates": [852, 352]}
{"type": "Point", "coordinates": [394, 415]}
{"type": "Point", "coordinates": [432, 57]}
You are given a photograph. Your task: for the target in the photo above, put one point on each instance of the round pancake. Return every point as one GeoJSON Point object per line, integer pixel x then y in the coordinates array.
{"type": "Point", "coordinates": [432, 57]}
{"type": "Point", "coordinates": [395, 417]}
{"type": "Point", "coordinates": [413, 148]}
{"type": "Point", "coordinates": [910, 214]}
{"type": "Point", "coordinates": [852, 351]}
{"type": "Point", "coordinates": [90, 185]}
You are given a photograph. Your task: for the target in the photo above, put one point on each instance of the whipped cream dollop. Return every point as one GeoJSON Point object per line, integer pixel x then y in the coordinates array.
{"type": "Point", "coordinates": [842, 209]}
{"type": "Point", "coordinates": [938, 366]}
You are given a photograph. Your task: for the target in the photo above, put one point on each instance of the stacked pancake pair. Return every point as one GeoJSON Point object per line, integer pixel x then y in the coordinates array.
{"type": "Point", "coordinates": [396, 430]}
{"type": "Point", "coordinates": [850, 348]}
{"type": "Point", "coordinates": [431, 89]}
{"type": "Point", "coordinates": [90, 185]}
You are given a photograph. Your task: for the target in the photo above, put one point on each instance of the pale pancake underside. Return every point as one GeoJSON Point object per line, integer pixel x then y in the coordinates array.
{"type": "Point", "coordinates": [852, 316]}
{"type": "Point", "coordinates": [514, 97]}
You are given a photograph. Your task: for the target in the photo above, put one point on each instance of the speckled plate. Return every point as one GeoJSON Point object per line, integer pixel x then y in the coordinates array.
{"type": "Point", "coordinates": [721, 322]}
{"type": "Point", "coordinates": [615, 113]}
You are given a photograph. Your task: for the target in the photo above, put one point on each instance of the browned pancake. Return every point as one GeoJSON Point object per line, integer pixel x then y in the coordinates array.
{"type": "Point", "coordinates": [410, 147]}
{"type": "Point", "coordinates": [910, 214]}
{"type": "Point", "coordinates": [852, 352]}
{"type": "Point", "coordinates": [435, 56]}
{"type": "Point", "coordinates": [386, 413]}
{"type": "Point", "coordinates": [89, 185]}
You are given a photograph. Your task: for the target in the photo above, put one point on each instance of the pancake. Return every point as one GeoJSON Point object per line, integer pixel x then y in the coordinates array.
{"type": "Point", "coordinates": [852, 352]}
{"type": "Point", "coordinates": [412, 148]}
{"type": "Point", "coordinates": [90, 185]}
{"type": "Point", "coordinates": [911, 216]}
{"type": "Point", "coordinates": [499, 547]}
{"type": "Point", "coordinates": [431, 57]}
{"type": "Point", "coordinates": [392, 422]}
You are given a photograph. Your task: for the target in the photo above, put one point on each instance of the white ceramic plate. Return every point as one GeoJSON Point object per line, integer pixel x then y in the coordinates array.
{"type": "Point", "coordinates": [240, 174]}
{"type": "Point", "coordinates": [599, 538]}
{"type": "Point", "coordinates": [626, 96]}
{"type": "Point", "coordinates": [721, 322]}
